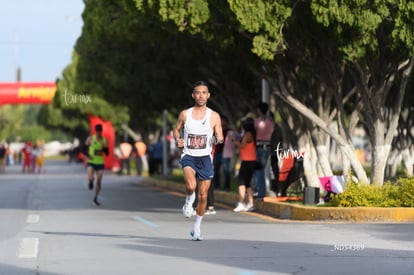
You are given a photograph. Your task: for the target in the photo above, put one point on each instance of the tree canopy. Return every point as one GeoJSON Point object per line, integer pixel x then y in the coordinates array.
{"type": "Point", "coordinates": [331, 65]}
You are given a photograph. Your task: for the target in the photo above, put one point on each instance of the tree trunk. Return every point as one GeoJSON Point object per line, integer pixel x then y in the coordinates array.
{"type": "Point", "coordinates": [381, 120]}
{"type": "Point", "coordinates": [392, 163]}
{"type": "Point", "coordinates": [349, 151]}
{"type": "Point", "coordinates": [408, 161]}
{"type": "Point", "coordinates": [323, 153]}
{"type": "Point", "coordinates": [345, 146]}
{"type": "Point", "coordinates": [346, 165]}
{"type": "Point", "coordinates": [379, 161]}
{"type": "Point", "coordinates": [310, 164]}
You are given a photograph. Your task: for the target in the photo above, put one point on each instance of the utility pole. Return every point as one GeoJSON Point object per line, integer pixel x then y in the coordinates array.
{"type": "Point", "coordinates": [16, 56]}
{"type": "Point", "coordinates": [265, 91]}
{"type": "Point", "coordinates": [18, 74]}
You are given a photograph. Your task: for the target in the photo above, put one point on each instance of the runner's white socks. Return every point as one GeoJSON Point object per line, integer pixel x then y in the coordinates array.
{"type": "Point", "coordinates": [189, 199]}
{"type": "Point", "coordinates": [197, 225]}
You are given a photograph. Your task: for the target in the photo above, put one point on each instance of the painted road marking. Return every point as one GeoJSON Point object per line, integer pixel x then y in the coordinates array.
{"type": "Point", "coordinates": [33, 218]}
{"type": "Point", "coordinates": [144, 221]}
{"type": "Point", "coordinates": [28, 248]}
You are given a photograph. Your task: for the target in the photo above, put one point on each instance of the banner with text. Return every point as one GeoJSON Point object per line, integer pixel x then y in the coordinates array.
{"type": "Point", "coordinates": [27, 92]}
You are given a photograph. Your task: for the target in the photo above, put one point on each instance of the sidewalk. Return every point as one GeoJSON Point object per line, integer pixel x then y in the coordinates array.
{"type": "Point", "coordinates": [299, 212]}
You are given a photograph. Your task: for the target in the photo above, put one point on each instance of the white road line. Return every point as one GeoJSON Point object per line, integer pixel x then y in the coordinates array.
{"type": "Point", "coordinates": [28, 248]}
{"type": "Point", "coordinates": [33, 218]}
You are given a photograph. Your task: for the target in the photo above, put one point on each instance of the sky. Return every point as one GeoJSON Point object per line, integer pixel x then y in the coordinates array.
{"type": "Point", "coordinates": [38, 36]}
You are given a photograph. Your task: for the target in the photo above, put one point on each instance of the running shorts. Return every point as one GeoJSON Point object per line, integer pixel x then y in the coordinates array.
{"type": "Point", "coordinates": [203, 166]}
{"type": "Point", "coordinates": [96, 167]}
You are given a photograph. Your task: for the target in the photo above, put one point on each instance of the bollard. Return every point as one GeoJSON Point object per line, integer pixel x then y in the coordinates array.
{"type": "Point", "coordinates": [311, 195]}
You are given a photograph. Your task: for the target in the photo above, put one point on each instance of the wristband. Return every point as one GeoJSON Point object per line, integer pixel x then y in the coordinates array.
{"type": "Point", "coordinates": [216, 140]}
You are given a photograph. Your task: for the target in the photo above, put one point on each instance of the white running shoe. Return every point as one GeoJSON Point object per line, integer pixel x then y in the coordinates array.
{"type": "Point", "coordinates": [196, 237]}
{"type": "Point", "coordinates": [249, 207]}
{"type": "Point", "coordinates": [210, 211]}
{"type": "Point", "coordinates": [187, 211]}
{"type": "Point", "coordinates": [240, 207]}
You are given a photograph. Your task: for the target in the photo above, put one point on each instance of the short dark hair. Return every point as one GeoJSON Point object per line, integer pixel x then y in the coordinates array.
{"type": "Point", "coordinates": [200, 83]}
{"type": "Point", "coordinates": [263, 107]}
{"type": "Point", "coordinates": [98, 127]}
{"type": "Point", "coordinates": [248, 126]}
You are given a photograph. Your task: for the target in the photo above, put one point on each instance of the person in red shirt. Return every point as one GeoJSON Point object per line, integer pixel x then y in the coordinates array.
{"type": "Point", "coordinates": [27, 155]}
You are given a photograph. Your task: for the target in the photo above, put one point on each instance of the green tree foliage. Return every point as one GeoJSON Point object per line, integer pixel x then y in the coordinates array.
{"type": "Point", "coordinates": [362, 26]}
{"type": "Point", "coordinates": [137, 60]}
{"type": "Point", "coordinates": [11, 119]}
{"type": "Point", "coordinates": [31, 133]}
{"type": "Point", "coordinates": [330, 60]}
{"type": "Point", "coordinates": [264, 19]}
{"type": "Point", "coordinates": [370, 39]}
{"type": "Point", "coordinates": [19, 123]}
{"type": "Point", "coordinates": [71, 105]}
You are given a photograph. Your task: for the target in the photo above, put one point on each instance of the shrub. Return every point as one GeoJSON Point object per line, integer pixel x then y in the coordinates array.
{"type": "Point", "coordinates": [399, 194]}
{"type": "Point", "coordinates": [406, 188]}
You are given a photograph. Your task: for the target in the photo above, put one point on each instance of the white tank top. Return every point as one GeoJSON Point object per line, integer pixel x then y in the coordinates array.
{"type": "Point", "coordinates": [197, 135]}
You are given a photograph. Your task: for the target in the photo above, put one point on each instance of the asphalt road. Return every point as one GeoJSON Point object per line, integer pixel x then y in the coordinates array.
{"type": "Point", "coordinates": [48, 225]}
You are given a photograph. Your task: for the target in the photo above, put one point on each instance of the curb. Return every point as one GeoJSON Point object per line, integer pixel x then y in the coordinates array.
{"type": "Point", "coordinates": [351, 214]}
{"type": "Point", "coordinates": [288, 211]}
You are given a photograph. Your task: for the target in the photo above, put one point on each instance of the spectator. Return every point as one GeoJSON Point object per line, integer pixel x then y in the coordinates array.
{"type": "Point", "coordinates": [126, 150]}
{"type": "Point", "coordinates": [40, 158]}
{"type": "Point", "coordinates": [274, 158]}
{"type": "Point", "coordinates": [229, 151]}
{"type": "Point", "coordinates": [218, 162]}
{"type": "Point", "coordinates": [19, 157]}
{"type": "Point", "coordinates": [210, 195]}
{"type": "Point", "coordinates": [27, 153]}
{"type": "Point", "coordinates": [264, 126]}
{"type": "Point", "coordinates": [3, 156]}
{"type": "Point", "coordinates": [218, 156]}
{"type": "Point", "coordinates": [33, 159]}
{"type": "Point", "coordinates": [155, 157]}
{"type": "Point", "coordinates": [139, 150]}
{"type": "Point", "coordinates": [247, 149]}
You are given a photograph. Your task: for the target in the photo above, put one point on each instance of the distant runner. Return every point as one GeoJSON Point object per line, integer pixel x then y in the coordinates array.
{"type": "Point", "coordinates": [97, 147]}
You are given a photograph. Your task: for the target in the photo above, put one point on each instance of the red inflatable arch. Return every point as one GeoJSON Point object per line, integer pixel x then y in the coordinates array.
{"type": "Point", "coordinates": [109, 133]}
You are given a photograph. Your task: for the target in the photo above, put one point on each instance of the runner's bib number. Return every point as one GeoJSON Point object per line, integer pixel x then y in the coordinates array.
{"type": "Point", "coordinates": [196, 141]}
